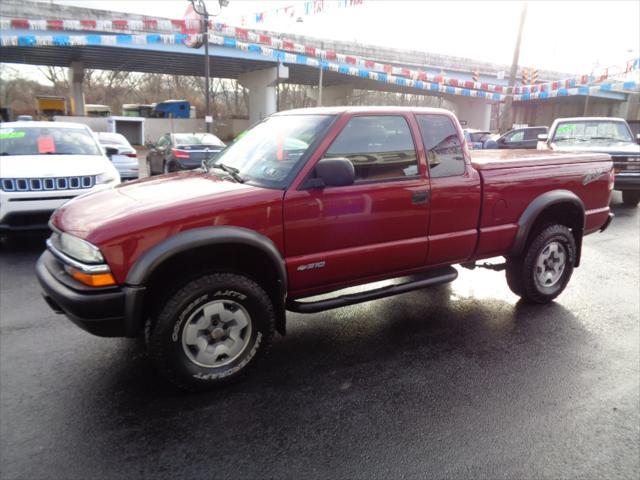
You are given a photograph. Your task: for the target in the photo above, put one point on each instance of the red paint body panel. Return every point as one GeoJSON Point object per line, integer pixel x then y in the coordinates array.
{"type": "Point", "coordinates": [359, 233]}
{"type": "Point", "coordinates": [128, 220]}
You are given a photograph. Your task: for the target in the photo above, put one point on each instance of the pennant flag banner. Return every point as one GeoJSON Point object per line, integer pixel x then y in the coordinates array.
{"type": "Point", "coordinates": [149, 25]}
{"type": "Point", "coordinates": [299, 10]}
{"type": "Point", "coordinates": [243, 34]}
{"type": "Point", "coordinates": [344, 64]}
{"type": "Point", "coordinates": [630, 85]}
{"type": "Point", "coordinates": [229, 42]}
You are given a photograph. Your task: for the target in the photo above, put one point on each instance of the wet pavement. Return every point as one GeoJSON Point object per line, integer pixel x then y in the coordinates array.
{"type": "Point", "coordinates": [459, 381]}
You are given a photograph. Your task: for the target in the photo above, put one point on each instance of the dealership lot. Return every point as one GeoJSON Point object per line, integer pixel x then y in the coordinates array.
{"type": "Point", "coordinates": [457, 381]}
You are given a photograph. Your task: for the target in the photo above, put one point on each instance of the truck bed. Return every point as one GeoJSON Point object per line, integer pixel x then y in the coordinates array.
{"type": "Point", "coordinates": [512, 179]}
{"type": "Point", "coordinates": [499, 159]}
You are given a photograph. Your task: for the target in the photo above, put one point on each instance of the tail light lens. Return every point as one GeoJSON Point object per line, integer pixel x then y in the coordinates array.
{"type": "Point", "coordinates": [179, 153]}
{"type": "Point", "coordinates": [132, 155]}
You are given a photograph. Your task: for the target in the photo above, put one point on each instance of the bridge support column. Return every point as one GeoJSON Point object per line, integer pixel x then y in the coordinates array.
{"type": "Point", "coordinates": [475, 112]}
{"type": "Point", "coordinates": [262, 90]}
{"type": "Point", "coordinates": [76, 83]}
{"type": "Point", "coordinates": [335, 95]}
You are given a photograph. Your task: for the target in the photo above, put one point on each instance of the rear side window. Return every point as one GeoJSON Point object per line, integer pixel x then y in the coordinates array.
{"type": "Point", "coordinates": [379, 146]}
{"type": "Point", "coordinates": [532, 133]}
{"type": "Point", "coordinates": [441, 142]}
{"type": "Point", "coordinates": [516, 136]}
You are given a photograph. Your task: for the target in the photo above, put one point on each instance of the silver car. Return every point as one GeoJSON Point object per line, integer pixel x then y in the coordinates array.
{"type": "Point", "coordinates": [121, 153]}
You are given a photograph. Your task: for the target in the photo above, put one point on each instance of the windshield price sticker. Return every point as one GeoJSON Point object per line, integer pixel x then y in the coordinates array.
{"type": "Point", "coordinates": [568, 128]}
{"type": "Point", "coordinates": [10, 134]}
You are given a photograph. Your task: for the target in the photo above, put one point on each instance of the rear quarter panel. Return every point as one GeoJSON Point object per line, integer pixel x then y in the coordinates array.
{"type": "Point", "coordinates": [508, 192]}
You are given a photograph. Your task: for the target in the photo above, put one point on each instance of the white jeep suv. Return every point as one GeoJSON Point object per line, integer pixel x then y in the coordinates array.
{"type": "Point", "coordinates": [45, 164]}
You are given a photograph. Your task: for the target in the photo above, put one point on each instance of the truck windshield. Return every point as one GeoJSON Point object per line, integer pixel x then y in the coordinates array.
{"type": "Point", "coordinates": [593, 130]}
{"type": "Point", "coordinates": [270, 153]}
{"type": "Point", "coordinates": [47, 140]}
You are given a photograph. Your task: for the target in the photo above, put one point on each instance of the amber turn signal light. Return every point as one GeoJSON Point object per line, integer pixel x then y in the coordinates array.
{"type": "Point", "coordinates": [95, 280]}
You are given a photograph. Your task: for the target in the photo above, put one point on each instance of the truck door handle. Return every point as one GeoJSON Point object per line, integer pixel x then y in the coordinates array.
{"type": "Point", "coordinates": [420, 197]}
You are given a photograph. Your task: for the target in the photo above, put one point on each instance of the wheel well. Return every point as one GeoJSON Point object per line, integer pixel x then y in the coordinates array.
{"type": "Point", "coordinates": [188, 265]}
{"type": "Point", "coordinates": [563, 213]}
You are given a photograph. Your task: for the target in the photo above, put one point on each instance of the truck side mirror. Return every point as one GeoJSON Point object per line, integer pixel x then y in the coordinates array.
{"type": "Point", "coordinates": [543, 137]}
{"type": "Point", "coordinates": [638, 138]}
{"type": "Point", "coordinates": [332, 172]}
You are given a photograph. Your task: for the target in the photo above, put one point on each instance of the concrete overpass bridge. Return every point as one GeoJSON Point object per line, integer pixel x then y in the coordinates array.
{"type": "Point", "coordinates": [78, 38]}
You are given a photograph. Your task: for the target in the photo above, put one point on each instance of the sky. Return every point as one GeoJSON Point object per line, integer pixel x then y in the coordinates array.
{"type": "Point", "coordinates": [565, 36]}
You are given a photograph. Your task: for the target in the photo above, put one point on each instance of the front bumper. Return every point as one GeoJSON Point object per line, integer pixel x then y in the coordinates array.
{"type": "Point", "coordinates": [627, 181]}
{"type": "Point", "coordinates": [106, 312]}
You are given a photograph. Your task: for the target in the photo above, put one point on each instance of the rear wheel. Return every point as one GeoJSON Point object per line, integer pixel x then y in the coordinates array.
{"type": "Point", "coordinates": [211, 331]}
{"type": "Point", "coordinates": [542, 273]}
{"type": "Point", "coordinates": [631, 198]}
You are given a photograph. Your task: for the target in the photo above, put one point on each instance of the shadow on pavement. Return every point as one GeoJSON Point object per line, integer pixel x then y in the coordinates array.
{"type": "Point", "coordinates": [382, 362]}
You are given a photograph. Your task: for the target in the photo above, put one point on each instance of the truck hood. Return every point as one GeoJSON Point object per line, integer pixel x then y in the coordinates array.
{"type": "Point", "coordinates": [141, 204]}
{"type": "Point", "coordinates": [50, 166]}
{"type": "Point", "coordinates": [612, 148]}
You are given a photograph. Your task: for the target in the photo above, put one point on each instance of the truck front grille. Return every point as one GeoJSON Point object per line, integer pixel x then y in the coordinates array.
{"type": "Point", "coordinates": [47, 184]}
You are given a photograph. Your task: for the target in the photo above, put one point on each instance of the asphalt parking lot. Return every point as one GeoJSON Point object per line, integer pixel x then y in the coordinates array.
{"type": "Point", "coordinates": [461, 381]}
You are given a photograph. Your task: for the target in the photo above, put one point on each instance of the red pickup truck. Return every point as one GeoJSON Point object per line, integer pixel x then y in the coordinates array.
{"type": "Point", "coordinates": [206, 263]}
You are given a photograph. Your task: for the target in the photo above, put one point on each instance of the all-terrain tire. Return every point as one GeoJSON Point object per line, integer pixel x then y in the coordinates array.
{"type": "Point", "coordinates": [545, 268]}
{"type": "Point", "coordinates": [210, 317]}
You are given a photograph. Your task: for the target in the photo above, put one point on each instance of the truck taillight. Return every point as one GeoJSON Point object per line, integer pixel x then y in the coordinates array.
{"type": "Point", "coordinates": [180, 153]}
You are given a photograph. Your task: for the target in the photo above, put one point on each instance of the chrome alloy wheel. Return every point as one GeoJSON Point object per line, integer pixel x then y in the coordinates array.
{"type": "Point", "coordinates": [550, 265]}
{"type": "Point", "coordinates": [216, 333]}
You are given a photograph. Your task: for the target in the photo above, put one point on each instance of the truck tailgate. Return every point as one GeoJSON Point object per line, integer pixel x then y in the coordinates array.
{"type": "Point", "coordinates": [513, 179]}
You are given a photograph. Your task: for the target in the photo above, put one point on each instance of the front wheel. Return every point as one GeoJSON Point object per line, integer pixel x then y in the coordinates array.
{"type": "Point", "coordinates": [631, 198]}
{"type": "Point", "coordinates": [543, 272]}
{"type": "Point", "coordinates": [211, 331]}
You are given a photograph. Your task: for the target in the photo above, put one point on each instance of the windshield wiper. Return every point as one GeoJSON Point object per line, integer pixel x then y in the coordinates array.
{"type": "Point", "coordinates": [232, 171]}
{"type": "Point", "coordinates": [601, 138]}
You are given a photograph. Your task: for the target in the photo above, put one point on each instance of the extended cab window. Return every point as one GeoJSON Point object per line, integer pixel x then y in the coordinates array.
{"type": "Point", "coordinates": [441, 142]}
{"type": "Point", "coordinates": [380, 147]}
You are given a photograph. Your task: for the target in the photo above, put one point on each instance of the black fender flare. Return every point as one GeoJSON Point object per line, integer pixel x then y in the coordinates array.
{"type": "Point", "coordinates": [144, 267]}
{"type": "Point", "coordinates": [533, 211]}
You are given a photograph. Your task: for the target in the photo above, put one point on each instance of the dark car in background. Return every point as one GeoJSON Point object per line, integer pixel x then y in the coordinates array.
{"type": "Point", "coordinates": [526, 137]}
{"type": "Point", "coordinates": [181, 151]}
{"type": "Point", "coordinates": [476, 139]}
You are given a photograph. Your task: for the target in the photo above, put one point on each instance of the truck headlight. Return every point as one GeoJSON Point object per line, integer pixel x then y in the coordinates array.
{"type": "Point", "coordinates": [80, 249]}
{"type": "Point", "coordinates": [107, 177]}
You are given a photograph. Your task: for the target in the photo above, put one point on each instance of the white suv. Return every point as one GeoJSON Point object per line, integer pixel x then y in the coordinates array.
{"type": "Point", "coordinates": [45, 164]}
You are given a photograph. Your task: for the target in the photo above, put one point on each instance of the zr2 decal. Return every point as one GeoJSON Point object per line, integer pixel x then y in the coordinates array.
{"type": "Point", "coordinates": [311, 266]}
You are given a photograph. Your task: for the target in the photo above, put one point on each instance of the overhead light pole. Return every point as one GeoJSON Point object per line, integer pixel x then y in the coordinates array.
{"type": "Point", "coordinates": [201, 9]}
{"type": "Point", "coordinates": [507, 118]}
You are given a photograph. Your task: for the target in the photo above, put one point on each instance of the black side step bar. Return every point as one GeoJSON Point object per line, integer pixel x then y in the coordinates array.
{"type": "Point", "coordinates": [436, 277]}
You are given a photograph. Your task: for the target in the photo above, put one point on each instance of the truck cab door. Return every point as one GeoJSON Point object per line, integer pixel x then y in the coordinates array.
{"type": "Point", "coordinates": [342, 235]}
{"type": "Point", "coordinates": [455, 191]}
